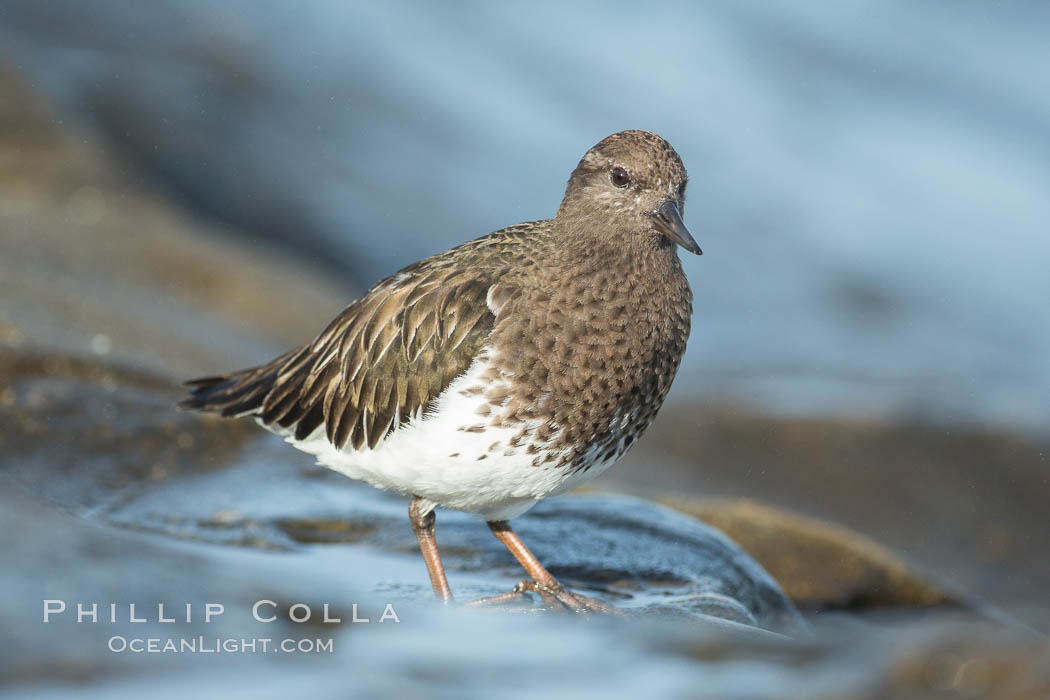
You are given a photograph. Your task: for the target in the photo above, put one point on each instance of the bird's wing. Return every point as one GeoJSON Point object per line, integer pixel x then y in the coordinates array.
{"type": "Point", "coordinates": [380, 363]}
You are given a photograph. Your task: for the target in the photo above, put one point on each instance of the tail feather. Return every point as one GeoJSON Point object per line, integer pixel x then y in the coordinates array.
{"type": "Point", "coordinates": [235, 394]}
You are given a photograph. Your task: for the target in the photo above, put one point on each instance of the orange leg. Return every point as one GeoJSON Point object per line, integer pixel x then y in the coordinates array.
{"type": "Point", "coordinates": [423, 525]}
{"type": "Point", "coordinates": [554, 595]}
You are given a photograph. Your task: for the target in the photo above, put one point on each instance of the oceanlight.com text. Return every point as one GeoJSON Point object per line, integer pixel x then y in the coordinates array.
{"type": "Point", "coordinates": [218, 645]}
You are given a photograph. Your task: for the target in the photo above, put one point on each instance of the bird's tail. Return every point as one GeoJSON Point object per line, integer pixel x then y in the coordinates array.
{"type": "Point", "coordinates": [240, 393]}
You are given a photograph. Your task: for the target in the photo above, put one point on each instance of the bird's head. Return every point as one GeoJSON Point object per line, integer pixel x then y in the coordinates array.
{"type": "Point", "coordinates": [633, 183]}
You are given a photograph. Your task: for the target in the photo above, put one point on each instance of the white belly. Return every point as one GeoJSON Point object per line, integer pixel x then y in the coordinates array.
{"type": "Point", "coordinates": [434, 457]}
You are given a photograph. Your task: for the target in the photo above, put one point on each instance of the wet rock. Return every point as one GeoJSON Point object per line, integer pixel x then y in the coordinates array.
{"type": "Point", "coordinates": [963, 502]}
{"type": "Point", "coordinates": [653, 556]}
{"type": "Point", "coordinates": [820, 565]}
{"type": "Point", "coordinates": [946, 655]}
{"type": "Point", "coordinates": [430, 651]}
{"type": "Point", "coordinates": [81, 433]}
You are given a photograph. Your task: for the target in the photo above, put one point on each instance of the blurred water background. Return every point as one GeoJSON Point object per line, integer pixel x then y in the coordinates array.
{"type": "Point", "coordinates": [870, 181]}
{"type": "Point", "coordinates": [186, 187]}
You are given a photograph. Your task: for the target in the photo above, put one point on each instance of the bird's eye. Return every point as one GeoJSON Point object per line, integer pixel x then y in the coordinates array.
{"type": "Point", "coordinates": [619, 177]}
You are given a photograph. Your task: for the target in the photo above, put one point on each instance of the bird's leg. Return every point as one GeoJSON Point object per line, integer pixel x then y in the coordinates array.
{"type": "Point", "coordinates": [554, 595]}
{"type": "Point", "coordinates": [421, 515]}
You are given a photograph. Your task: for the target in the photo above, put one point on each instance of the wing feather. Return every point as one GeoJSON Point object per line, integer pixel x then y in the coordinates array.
{"type": "Point", "coordinates": [385, 359]}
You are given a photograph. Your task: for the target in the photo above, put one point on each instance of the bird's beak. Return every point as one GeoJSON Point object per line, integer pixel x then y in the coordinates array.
{"type": "Point", "coordinates": [669, 222]}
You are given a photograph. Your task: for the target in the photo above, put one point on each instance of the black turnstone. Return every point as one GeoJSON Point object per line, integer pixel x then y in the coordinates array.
{"type": "Point", "coordinates": [511, 368]}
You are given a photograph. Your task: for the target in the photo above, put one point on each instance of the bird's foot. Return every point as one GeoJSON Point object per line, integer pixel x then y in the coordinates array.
{"type": "Point", "coordinates": [554, 597]}
{"type": "Point", "coordinates": [518, 595]}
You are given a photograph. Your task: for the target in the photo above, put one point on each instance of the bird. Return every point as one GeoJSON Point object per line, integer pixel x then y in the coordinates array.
{"type": "Point", "coordinates": [509, 369]}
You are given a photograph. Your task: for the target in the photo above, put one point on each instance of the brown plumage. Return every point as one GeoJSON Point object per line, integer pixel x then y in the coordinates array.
{"type": "Point", "coordinates": [377, 365]}
{"type": "Point", "coordinates": [576, 326]}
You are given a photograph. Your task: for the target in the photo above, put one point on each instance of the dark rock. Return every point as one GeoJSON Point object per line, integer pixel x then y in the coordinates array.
{"type": "Point", "coordinates": [963, 502]}
{"type": "Point", "coordinates": [821, 566]}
